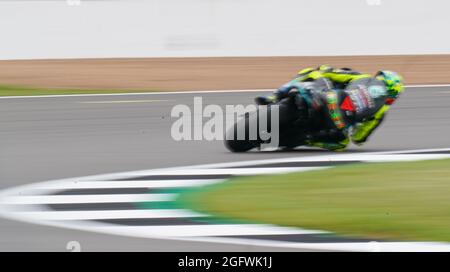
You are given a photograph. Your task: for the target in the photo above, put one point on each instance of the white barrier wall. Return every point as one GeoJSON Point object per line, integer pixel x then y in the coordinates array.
{"type": "Point", "coordinates": [169, 28]}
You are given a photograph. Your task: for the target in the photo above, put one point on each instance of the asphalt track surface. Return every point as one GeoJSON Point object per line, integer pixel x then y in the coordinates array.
{"type": "Point", "coordinates": [51, 138]}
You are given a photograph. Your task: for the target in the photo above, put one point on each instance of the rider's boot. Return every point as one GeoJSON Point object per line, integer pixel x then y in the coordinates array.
{"type": "Point", "coordinates": [338, 146]}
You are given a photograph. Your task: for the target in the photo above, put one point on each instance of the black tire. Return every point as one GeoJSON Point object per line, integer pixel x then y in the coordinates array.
{"type": "Point", "coordinates": [289, 135]}
{"type": "Point", "coordinates": [231, 140]}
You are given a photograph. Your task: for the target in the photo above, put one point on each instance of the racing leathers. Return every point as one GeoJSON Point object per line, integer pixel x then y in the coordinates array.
{"type": "Point", "coordinates": [352, 104]}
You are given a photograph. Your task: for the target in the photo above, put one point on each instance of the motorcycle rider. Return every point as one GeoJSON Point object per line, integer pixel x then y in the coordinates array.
{"type": "Point", "coordinates": [354, 104]}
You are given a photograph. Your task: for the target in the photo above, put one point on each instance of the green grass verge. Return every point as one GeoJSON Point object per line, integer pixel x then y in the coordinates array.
{"type": "Point", "coordinates": [406, 201]}
{"type": "Point", "coordinates": [32, 91]}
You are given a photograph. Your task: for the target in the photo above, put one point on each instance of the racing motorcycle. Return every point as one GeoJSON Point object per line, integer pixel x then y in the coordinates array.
{"type": "Point", "coordinates": [297, 120]}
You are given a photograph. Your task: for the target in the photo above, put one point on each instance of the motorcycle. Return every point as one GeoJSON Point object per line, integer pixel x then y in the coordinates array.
{"type": "Point", "coordinates": [296, 118]}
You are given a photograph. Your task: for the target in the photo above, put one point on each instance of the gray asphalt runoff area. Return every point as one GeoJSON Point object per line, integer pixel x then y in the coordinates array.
{"type": "Point", "coordinates": [50, 138]}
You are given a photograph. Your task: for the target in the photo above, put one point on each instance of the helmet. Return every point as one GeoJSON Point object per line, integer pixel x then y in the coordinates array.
{"type": "Point", "coordinates": [393, 82]}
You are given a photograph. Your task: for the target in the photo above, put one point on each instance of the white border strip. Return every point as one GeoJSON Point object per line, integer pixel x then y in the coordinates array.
{"type": "Point", "coordinates": [181, 92]}
{"type": "Point", "coordinates": [140, 93]}
{"type": "Point", "coordinates": [427, 85]}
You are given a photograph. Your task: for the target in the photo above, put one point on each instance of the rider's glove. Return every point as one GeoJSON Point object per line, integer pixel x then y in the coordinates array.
{"type": "Point", "coordinates": [265, 100]}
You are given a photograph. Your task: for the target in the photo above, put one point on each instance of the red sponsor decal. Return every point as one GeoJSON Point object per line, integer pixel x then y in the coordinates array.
{"type": "Point", "coordinates": [347, 105]}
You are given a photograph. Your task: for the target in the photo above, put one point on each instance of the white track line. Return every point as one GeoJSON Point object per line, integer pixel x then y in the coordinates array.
{"type": "Point", "coordinates": [112, 214]}
{"type": "Point", "coordinates": [143, 93]}
{"type": "Point", "coordinates": [380, 246]}
{"type": "Point", "coordinates": [207, 230]}
{"type": "Point", "coordinates": [200, 171]}
{"type": "Point", "coordinates": [341, 246]}
{"type": "Point", "coordinates": [235, 171]}
{"type": "Point", "coordinates": [123, 101]}
{"type": "Point", "coordinates": [428, 86]}
{"type": "Point", "coordinates": [151, 184]}
{"type": "Point", "coordinates": [66, 199]}
{"type": "Point", "coordinates": [382, 156]}
{"type": "Point", "coordinates": [185, 92]}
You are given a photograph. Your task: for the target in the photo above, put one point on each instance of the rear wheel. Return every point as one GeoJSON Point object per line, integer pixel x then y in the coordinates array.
{"type": "Point", "coordinates": [233, 143]}
{"type": "Point", "coordinates": [289, 134]}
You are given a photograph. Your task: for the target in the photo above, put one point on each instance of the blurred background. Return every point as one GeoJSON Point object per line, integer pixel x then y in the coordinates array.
{"type": "Point", "coordinates": [170, 28]}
